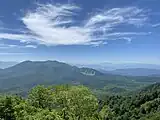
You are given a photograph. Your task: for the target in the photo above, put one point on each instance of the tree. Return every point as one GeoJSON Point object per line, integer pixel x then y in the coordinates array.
{"type": "Point", "coordinates": [7, 107]}
{"type": "Point", "coordinates": [70, 102]}
{"type": "Point", "coordinates": [54, 103]}
{"type": "Point", "coordinates": [41, 97]}
{"type": "Point", "coordinates": [75, 101]}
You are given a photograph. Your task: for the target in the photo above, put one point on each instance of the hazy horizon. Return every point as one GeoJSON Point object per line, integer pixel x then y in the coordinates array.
{"type": "Point", "coordinates": [85, 63]}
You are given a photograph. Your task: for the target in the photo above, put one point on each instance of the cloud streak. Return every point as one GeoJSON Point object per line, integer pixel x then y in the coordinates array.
{"type": "Point", "coordinates": [55, 25]}
{"type": "Point", "coordinates": [7, 46]}
{"type": "Point", "coordinates": [9, 53]}
{"type": "Point", "coordinates": [116, 16]}
{"type": "Point", "coordinates": [156, 25]}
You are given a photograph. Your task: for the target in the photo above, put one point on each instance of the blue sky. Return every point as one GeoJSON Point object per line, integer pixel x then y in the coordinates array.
{"type": "Point", "coordinates": [80, 31]}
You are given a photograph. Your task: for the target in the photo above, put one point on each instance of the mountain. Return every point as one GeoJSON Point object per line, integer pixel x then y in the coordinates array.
{"type": "Point", "coordinates": [7, 64]}
{"type": "Point", "coordinates": [28, 74]}
{"type": "Point", "coordinates": [135, 72]}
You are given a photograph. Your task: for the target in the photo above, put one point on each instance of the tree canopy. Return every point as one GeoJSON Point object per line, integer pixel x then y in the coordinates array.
{"type": "Point", "coordinates": [66, 102]}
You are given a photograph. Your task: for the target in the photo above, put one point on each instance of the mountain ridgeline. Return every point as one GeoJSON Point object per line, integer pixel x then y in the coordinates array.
{"type": "Point", "coordinates": [48, 72]}
{"type": "Point", "coordinates": [28, 74]}
{"type": "Point", "coordinates": [135, 72]}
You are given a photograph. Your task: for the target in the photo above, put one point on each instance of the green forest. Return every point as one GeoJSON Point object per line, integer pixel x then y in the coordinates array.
{"type": "Point", "coordinates": [65, 102]}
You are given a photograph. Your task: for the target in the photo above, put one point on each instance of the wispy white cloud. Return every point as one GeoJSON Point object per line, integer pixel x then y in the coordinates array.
{"type": "Point", "coordinates": [54, 25]}
{"type": "Point", "coordinates": [128, 39]}
{"type": "Point", "coordinates": [116, 16]}
{"type": "Point", "coordinates": [121, 34]}
{"type": "Point", "coordinates": [156, 25]}
{"type": "Point", "coordinates": [30, 46]}
{"type": "Point", "coordinates": [6, 46]}
{"type": "Point", "coordinates": [18, 37]}
{"type": "Point", "coordinates": [14, 53]}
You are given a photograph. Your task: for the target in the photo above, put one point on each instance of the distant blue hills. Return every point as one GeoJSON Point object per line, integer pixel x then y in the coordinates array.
{"type": "Point", "coordinates": [127, 69]}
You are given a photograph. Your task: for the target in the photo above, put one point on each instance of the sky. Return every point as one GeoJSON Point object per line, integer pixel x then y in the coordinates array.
{"type": "Point", "coordinates": [80, 31]}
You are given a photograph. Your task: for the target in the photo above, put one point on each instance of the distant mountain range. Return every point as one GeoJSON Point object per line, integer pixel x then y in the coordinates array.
{"type": "Point", "coordinates": [134, 72]}
{"type": "Point", "coordinates": [7, 64]}
{"type": "Point", "coordinates": [111, 66]}
{"type": "Point", "coordinates": [27, 74]}
{"type": "Point", "coordinates": [130, 69]}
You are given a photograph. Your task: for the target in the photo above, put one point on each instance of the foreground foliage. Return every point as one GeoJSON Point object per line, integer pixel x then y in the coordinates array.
{"type": "Point", "coordinates": [78, 103]}
{"type": "Point", "coordinates": [53, 103]}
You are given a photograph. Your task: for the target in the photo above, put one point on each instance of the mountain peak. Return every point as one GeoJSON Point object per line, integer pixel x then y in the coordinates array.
{"type": "Point", "coordinates": [42, 62]}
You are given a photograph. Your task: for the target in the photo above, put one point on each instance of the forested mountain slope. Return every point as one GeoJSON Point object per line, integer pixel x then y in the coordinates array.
{"type": "Point", "coordinates": [142, 104]}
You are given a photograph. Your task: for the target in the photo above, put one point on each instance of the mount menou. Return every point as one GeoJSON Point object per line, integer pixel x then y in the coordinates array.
{"type": "Point", "coordinates": [27, 74]}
